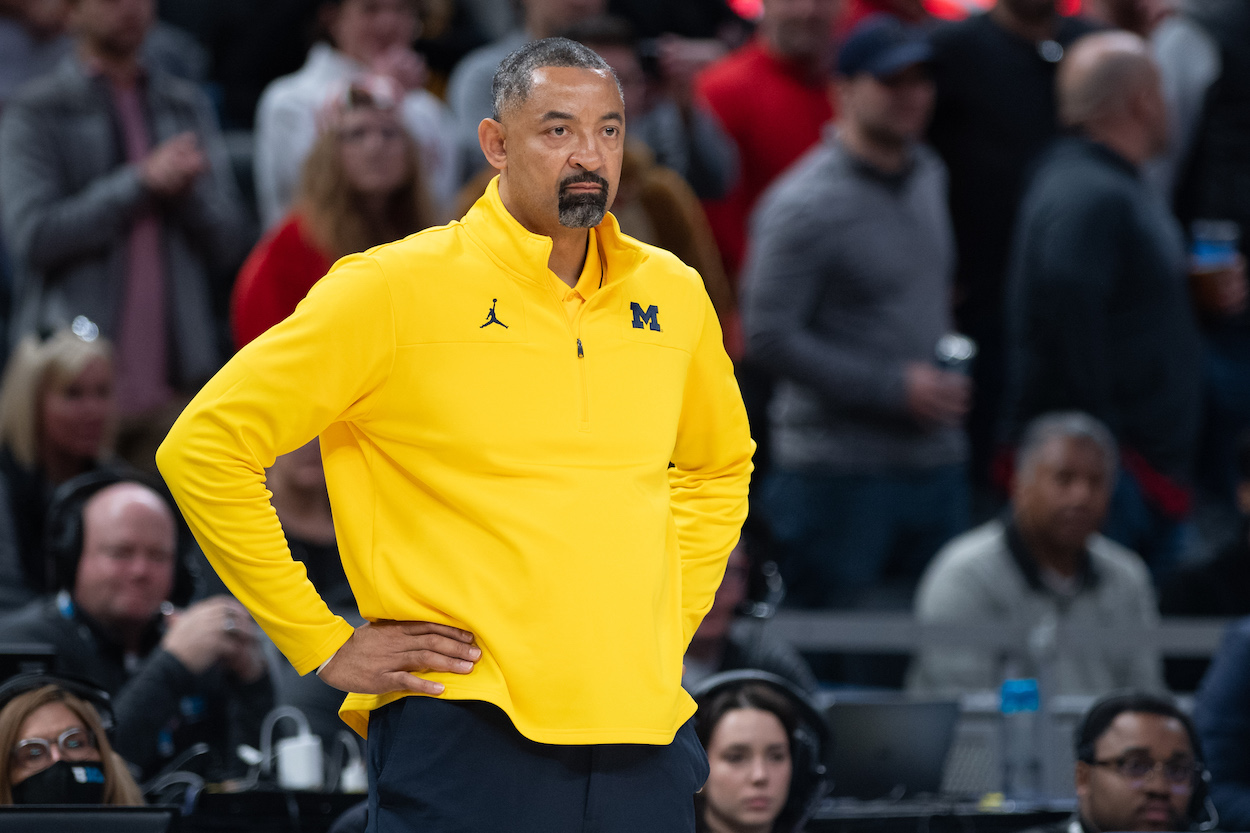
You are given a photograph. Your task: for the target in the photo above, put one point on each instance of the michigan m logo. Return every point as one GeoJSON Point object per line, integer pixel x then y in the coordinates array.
{"type": "Point", "coordinates": [651, 317]}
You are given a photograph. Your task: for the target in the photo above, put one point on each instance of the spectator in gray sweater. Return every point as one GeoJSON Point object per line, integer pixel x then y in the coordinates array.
{"type": "Point", "coordinates": [846, 294]}
{"type": "Point", "coordinates": [118, 204]}
{"type": "Point", "coordinates": [1043, 565]}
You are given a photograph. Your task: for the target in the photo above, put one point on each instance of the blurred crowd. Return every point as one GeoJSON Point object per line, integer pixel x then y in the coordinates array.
{"type": "Point", "coordinates": [981, 271]}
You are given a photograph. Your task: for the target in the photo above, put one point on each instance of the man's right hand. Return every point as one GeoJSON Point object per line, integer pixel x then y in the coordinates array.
{"type": "Point", "coordinates": [381, 657]}
{"type": "Point", "coordinates": [171, 167]}
{"type": "Point", "coordinates": [936, 396]}
{"type": "Point", "coordinates": [207, 632]}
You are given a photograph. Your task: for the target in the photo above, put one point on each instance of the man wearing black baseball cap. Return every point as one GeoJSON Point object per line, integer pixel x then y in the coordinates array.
{"type": "Point", "coordinates": [846, 294]}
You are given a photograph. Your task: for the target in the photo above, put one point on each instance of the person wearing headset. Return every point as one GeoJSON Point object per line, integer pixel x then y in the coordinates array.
{"type": "Point", "coordinates": [179, 676]}
{"type": "Point", "coordinates": [1139, 768]}
{"type": "Point", "coordinates": [766, 744]}
{"type": "Point", "coordinates": [58, 746]}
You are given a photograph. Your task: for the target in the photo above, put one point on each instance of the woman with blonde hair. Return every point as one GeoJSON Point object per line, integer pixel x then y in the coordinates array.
{"type": "Point", "coordinates": [58, 752]}
{"type": "Point", "coordinates": [58, 415]}
{"type": "Point", "coordinates": [362, 186]}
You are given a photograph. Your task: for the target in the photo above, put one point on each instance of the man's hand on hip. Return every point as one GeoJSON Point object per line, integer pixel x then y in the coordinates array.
{"type": "Point", "coordinates": [381, 657]}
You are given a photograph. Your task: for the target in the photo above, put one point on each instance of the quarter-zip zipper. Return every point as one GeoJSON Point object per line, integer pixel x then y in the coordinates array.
{"type": "Point", "coordinates": [583, 421]}
{"type": "Point", "coordinates": [584, 424]}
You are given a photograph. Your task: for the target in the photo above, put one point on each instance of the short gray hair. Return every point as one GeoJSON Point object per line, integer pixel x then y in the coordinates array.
{"type": "Point", "coordinates": [514, 79]}
{"type": "Point", "coordinates": [1075, 425]}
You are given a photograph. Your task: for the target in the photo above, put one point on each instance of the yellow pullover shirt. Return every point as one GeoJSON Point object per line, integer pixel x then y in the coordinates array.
{"type": "Point", "coordinates": [566, 490]}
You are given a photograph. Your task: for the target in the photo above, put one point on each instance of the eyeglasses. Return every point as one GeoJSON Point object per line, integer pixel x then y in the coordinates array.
{"type": "Point", "coordinates": [74, 743]}
{"type": "Point", "coordinates": [1136, 769]}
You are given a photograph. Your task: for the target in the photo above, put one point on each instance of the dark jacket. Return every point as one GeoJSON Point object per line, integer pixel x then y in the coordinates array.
{"type": "Point", "coordinates": [994, 115]}
{"type": "Point", "coordinates": [1219, 587]}
{"type": "Point", "coordinates": [1098, 311]}
{"type": "Point", "coordinates": [1222, 716]}
{"type": "Point", "coordinates": [160, 707]}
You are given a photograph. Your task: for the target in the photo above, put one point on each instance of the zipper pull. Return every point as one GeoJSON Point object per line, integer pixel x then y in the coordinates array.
{"type": "Point", "coordinates": [581, 354]}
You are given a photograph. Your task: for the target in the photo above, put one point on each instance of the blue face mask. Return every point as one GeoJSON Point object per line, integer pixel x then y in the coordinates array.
{"type": "Point", "coordinates": [63, 783]}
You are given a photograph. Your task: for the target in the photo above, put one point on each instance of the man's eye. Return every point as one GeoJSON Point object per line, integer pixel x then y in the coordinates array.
{"type": "Point", "coordinates": [611, 131]}
{"type": "Point", "coordinates": [558, 131]}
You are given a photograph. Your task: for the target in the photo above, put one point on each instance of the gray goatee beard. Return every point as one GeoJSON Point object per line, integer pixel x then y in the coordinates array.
{"type": "Point", "coordinates": [583, 210]}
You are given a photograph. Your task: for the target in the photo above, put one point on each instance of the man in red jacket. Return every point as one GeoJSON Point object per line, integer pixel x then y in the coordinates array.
{"type": "Point", "coordinates": [773, 97]}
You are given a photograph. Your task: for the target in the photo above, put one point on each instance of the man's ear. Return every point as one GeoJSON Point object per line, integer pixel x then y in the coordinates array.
{"type": "Point", "coordinates": [492, 137]}
{"type": "Point", "coordinates": [1083, 771]}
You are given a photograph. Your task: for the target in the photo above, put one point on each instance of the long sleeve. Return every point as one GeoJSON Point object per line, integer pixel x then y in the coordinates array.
{"type": "Point", "coordinates": [146, 704]}
{"type": "Point", "coordinates": [45, 225]}
{"type": "Point", "coordinates": [1146, 672]}
{"type": "Point", "coordinates": [952, 593]}
{"type": "Point", "coordinates": [315, 368]}
{"type": "Point", "coordinates": [285, 132]}
{"type": "Point", "coordinates": [710, 474]}
{"type": "Point", "coordinates": [212, 210]}
{"type": "Point", "coordinates": [1222, 715]}
{"type": "Point", "coordinates": [1060, 308]}
{"type": "Point", "coordinates": [793, 262]}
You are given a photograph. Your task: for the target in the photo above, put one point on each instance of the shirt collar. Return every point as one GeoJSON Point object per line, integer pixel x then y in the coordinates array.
{"type": "Point", "coordinates": [1087, 573]}
{"type": "Point", "coordinates": [93, 69]}
{"type": "Point", "coordinates": [103, 635]}
{"type": "Point", "coordinates": [524, 254]}
{"type": "Point", "coordinates": [891, 179]}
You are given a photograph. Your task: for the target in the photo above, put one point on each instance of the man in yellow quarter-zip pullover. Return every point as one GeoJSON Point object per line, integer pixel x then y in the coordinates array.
{"type": "Point", "coordinates": [538, 462]}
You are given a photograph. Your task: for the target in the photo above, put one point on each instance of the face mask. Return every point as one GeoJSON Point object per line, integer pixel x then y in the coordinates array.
{"type": "Point", "coordinates": [63, 783]}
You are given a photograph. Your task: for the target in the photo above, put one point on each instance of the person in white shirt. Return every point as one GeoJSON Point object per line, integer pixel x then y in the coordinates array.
{"type": "Point", "coordinates": [368, 36]}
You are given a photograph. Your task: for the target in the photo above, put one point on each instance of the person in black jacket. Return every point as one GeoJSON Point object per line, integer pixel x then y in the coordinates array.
{"type": "Point", "coordinates": [177, 677]}
{"type": "Point", "coordinates": [1099, 318]}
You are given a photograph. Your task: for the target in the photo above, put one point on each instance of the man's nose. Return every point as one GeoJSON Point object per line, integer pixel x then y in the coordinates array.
{"type": "Point", "coordinates": [587, 155]}
{"type": "Point", "coordinates": [1156, 783]}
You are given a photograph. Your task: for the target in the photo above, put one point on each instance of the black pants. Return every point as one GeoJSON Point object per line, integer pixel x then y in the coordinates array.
{"type": "Point", "coordinates": [447, 766]}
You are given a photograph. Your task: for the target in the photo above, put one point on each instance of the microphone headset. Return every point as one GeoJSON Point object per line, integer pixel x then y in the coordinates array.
{"type": "Point", "coordinates": [63, 532]}
{"type": "Point", "coordinates": [811, 742]}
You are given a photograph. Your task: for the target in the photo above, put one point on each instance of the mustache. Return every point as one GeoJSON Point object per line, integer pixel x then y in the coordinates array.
{"type": "Point", "coordinates": [585, 176]}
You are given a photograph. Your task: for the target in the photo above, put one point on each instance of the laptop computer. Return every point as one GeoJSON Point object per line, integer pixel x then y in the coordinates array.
{"type": "Point", "coordinates": [889, 748]}
{"type": "Point", "coordinates": [84, 819]}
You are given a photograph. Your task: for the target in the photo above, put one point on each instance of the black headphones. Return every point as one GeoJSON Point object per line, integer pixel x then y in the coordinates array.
{"type": "Point", "coordinates": [811, 743]}
{"type": "Point", "coordinates": [81, 688]}
{"type": "Point", "coordinates": [63, 530]}
{"type": "Point", "coordinates": [1201, 810]}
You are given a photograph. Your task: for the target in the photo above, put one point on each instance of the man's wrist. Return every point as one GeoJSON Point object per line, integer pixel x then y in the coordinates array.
{"type": "Point", "coordinates": [329, 660]}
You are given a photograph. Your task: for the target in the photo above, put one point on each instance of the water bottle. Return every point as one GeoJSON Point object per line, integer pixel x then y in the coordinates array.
{"type": "Point", "coordinates": [1022, 766]}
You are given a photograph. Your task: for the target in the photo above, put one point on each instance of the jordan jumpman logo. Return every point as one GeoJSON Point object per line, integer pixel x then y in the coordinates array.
{"type": "Point", "coordinates": [490, 316]}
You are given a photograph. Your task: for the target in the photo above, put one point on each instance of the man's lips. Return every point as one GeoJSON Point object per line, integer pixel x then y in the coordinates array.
{"type": "Point", "coordinates": [1155, 811]}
